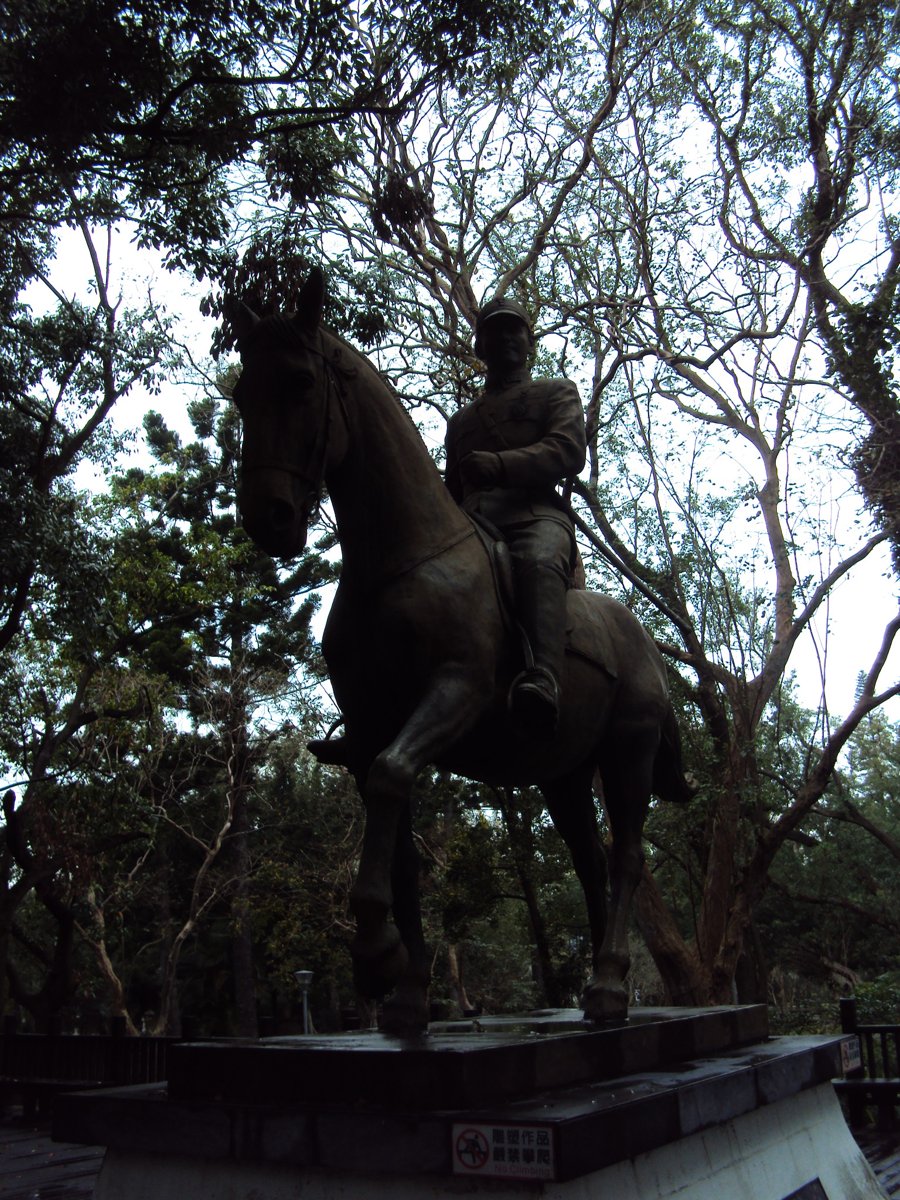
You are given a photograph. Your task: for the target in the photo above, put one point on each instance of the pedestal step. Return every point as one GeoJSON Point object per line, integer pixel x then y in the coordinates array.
{"type": "Point", "coordinates": [502, 1106]}
{"type": "Point", "coordinates": [457, 1064]}
{"type": "Point", "coordinates": [798, 1149]}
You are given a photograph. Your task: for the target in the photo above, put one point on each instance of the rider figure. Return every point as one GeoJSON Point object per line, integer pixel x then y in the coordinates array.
{"type": "Point", "coordinates": [506, 454]}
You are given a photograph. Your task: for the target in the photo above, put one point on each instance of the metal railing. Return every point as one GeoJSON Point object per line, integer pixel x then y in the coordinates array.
{"type": "Point", "coordinates": [34, 1067]}
{"type": "Point", "coordinates": [875, 1083]}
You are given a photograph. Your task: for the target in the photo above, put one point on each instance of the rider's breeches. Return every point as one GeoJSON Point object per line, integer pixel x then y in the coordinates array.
{"type": "Point", "coordinates": [542, 559]}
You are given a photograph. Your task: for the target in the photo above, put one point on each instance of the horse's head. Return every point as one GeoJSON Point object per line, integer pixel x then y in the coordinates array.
{"type": "Point", "coordinates": [282, 396]}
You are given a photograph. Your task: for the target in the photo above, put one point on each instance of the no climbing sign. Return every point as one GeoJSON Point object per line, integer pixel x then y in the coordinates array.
{"type": "Point", "coordinates": [504, 1151]}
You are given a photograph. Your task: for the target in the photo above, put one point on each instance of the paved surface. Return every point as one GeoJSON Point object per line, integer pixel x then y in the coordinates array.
{"type": "Point", "coordinates": [32, 1167]}
{"type": "Point", "coordinates": [882, 1149]}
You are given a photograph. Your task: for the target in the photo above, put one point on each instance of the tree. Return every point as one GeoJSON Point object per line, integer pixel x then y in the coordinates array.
{"type": "Point", "coordinates": [682, 197]}
{"type": "Point", "coordinates": [187, 622]}
{"type": "Point", "coordinates": [56, 688]}
{"type": "Point", "coordinates": [502, 906]}
{"type": "Point", "coordinates": [308, 831]}
{"type": "Point", "coordinates": [243, 640]}
{"type": "Point", "coordinates": [811, 89]}
{"type": "Point", "coordinates": [151, 120]}
{"type": "Point", "coordinates": [153, 126]}
{"type": "Point", "coordinates": [833, 911]}
{"type": "Point", "coordinates": [61, 373]}
{"type": "Point", "coordinates": [721, 330]}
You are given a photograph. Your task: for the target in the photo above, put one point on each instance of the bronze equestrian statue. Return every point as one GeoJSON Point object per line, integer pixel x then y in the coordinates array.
{"type": "Point", "coordinates": [506, 453]}
{"type": "Point", "coordinates": [422, 655]}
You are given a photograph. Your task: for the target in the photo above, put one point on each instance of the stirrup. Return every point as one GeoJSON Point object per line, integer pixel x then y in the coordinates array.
{"type": "Point", "coordinates": [534, 702]}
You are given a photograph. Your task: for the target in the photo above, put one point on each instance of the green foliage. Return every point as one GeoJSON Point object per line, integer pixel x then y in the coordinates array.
{"type": "Point", "coordinates": [831, 917]}
{"type": "Point", "coordinates": [463, 36]}
{"type": "Point", "coordinates": [143, 120]}
{"type": "Point", "coordinates": [270, 271]}
{"type": "Point", "coordinates": [138, 731]}
{"type": "Point", "coordinates": [308, 832]}
{"type": "Point", "coordinates": [161, 101]}
{"type": "Point", "coordinates": [497, 961]}
{"type": "Point", "coordinates": [812, 1009]}
{"type": "Point", "coordinates": [470, 887]}
{"type": "Point", "coordinates": [61, 372]}
{"type": "Point", "coordinates": [878, 1001]}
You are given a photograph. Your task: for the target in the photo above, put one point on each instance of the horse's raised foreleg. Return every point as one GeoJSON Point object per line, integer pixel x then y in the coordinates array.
{"type": "Point", "coordinates": [389, 956]}
{"type": "Point", "coordinates": [627, 775]}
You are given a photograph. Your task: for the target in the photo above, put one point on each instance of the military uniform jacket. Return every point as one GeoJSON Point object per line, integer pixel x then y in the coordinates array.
{"type": "Point", "coordinates": [536, 429]}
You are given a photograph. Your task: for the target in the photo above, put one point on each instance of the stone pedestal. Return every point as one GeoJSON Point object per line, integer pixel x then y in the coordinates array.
{"type": "Point", "coordinates": [698, 1103]}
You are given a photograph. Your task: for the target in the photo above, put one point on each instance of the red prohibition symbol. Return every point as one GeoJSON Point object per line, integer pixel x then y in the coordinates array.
{"type": "Point", "coordinates": [472, 1149]}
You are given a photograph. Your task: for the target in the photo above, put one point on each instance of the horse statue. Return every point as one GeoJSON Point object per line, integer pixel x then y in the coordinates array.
{"type": "Point", "coordinates": [420, 651]}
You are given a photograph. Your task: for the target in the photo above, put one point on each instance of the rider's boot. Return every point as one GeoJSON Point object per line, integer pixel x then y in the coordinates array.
{"type": "Point", "coordinates": [534, 694]}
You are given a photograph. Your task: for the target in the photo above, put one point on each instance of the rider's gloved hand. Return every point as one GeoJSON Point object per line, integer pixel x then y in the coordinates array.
{"type": "Point", "coordinates": [482, 468]}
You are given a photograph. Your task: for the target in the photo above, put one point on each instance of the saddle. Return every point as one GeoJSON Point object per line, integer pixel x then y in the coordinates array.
{"type": "Point", "coordinates": [500, 559]}
{"type": "Point", "coordinates": [501, 570]}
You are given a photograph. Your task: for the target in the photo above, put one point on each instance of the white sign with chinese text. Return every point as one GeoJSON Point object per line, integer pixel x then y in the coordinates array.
{"type": "Point", "coordinates": [851, 1059]}
{"type": "Point", "coordinates": [503, 1151]}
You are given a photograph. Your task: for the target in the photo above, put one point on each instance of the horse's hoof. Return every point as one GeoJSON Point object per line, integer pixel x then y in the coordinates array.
{"type": "Point", "coordinates": [378, 966]}
{"type": "Point", "coordinates": [332, 751]}
{"type": "Point", "coordinates": [404, 1016]}
{"type": "Point", "coordinates": [604, 1002]}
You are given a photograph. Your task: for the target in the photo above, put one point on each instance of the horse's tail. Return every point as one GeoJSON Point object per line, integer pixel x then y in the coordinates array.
{"type": "Point", "coordinates": [670, 782]}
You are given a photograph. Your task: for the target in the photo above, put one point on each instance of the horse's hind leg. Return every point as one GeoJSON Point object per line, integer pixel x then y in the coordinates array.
{"type": "Point", "coordinates": [627, 774]}
{"type": "Point", "coordinates": [570, 802]}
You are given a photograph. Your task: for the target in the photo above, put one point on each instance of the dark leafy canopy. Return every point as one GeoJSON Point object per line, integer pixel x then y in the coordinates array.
{"type": "Point", "coordinates": [273, 265]}
{"type": "Point", "coordinates": [161, 100]}
{"type": "Point", "coordinates": [833, 914]}
{"type": "Point", "coordinates": [149, 124]}
{"type": "Point", "coordinates": [144, 119]}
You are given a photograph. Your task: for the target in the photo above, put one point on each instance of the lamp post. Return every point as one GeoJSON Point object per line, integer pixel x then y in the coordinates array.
{"type": "Point", "coordinates": [304, 979]}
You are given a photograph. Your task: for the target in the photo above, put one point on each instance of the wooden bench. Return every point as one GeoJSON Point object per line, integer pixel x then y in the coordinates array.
{"type": "Point", "coordinates": [875, 1084]}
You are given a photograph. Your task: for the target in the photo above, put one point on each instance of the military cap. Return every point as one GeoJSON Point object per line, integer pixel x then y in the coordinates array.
{"type": "Point", "coordinates": [501, 306]}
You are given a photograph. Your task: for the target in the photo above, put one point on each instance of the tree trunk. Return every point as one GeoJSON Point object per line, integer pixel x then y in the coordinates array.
{"type": "Point", "coordinates": [168, 1023]}
{"type": "Point", "coordinates": [95, 938]}
{"type": "Point", "coordinates": [55, 995]}
{"type": "Point", "coordinates": [454, 965]}
{"type": "Point", "coordinates": [752, 976]}
{"type": "Point", "coordinates": [236, 740]}
{"type": "Point", "coordinates": [682, 974]}
{"type": "Point", "coordinates": [521, 844]}
{"type": "Point", "coordinates": [246, 1017]}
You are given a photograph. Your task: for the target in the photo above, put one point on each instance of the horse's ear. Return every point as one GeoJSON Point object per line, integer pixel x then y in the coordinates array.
{"type": "Point", "coordinates": [311, 300]}
{"type": "Point", "coordinates": [242, 318]}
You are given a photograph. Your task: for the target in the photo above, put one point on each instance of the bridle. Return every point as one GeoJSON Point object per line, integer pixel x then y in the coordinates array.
{"type": "Point", "coordinates": [311, 473]}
